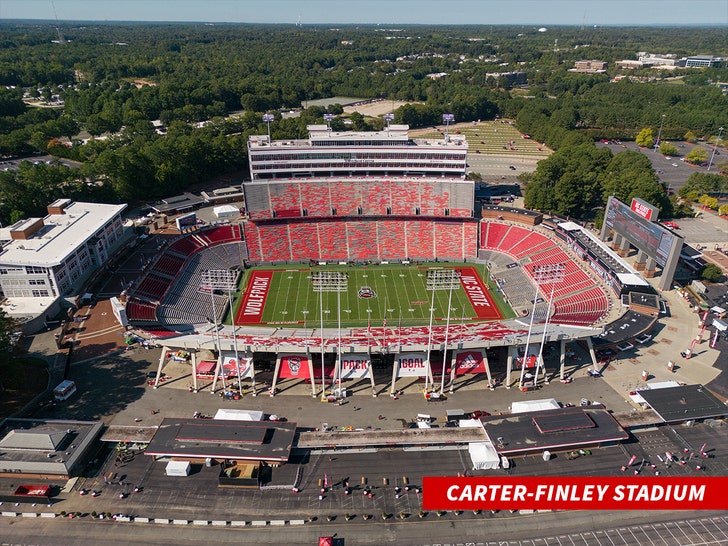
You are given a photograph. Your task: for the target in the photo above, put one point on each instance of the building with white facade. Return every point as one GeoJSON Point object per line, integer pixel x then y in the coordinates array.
{"type": "Point", "coordinates": [381, 153]}
{"type": "Point", "coordinates": [51, 257]}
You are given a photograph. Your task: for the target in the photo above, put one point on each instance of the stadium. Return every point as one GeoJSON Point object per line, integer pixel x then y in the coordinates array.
{"type": "Point", "coordinates": [357, 253]}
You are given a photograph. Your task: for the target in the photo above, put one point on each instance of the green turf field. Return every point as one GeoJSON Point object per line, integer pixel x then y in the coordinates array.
{"type": "Point", "coordinates": [399, 294]}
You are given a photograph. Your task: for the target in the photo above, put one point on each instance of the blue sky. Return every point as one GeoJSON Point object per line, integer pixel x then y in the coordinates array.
{"type": "Point", "coordinates": [386, 12]}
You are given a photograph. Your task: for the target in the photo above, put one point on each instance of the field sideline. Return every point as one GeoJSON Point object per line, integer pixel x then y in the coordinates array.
{"type": "Point", "coordinates": [395, 292]}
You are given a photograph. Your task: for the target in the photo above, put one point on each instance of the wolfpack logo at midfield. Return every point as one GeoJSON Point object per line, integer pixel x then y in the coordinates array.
{"type": "Point", "coordinates": [367, 292]}
{"type": "Point", "coordinates": [294, 364]}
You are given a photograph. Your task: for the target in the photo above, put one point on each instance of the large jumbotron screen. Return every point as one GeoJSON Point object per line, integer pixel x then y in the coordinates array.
{"type": "Point", "coordinates": [372, 295]}
{"type": "Point", "coordinates": [647, 236]}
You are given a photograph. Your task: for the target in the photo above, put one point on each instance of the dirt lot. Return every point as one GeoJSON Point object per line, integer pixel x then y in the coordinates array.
{"type": "Point", "coordinates": [376, 108]}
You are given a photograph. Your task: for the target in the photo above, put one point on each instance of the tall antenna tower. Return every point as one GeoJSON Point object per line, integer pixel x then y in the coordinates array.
{"type": "Point", "coordinates": [61, 40]}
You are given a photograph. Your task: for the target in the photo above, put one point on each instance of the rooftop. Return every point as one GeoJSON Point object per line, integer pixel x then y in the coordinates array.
{"type": "Point", "coordinates": [223, 439]}
{"type": "Point", "coordinates": [320, 135]}
{"type": "Point", "coordinates": [61, 235]}
{"type": "Point", "coordinates": [552, 429]}
{"type": "Point", "coordinates": [684, 403]}
{"type": "Point", "coordinates": [38, 446]}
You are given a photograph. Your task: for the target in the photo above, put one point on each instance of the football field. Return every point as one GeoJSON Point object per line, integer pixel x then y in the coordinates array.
{"type": "Point", "coordinates": [368, 295]}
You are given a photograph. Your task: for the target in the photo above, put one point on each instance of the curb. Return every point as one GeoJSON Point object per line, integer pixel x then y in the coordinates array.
{"type": "Point", "coordinates": [164, 521]}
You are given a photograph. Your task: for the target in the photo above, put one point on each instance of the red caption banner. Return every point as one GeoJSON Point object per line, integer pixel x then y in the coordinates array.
{"type": "Point", "coordinates": [575, 493]}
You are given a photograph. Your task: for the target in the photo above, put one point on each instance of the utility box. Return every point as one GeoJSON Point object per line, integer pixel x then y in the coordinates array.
{"type": "Point", "coordinates": [454, 414]}
{"type": "Point", "coordinates": [178, 468]}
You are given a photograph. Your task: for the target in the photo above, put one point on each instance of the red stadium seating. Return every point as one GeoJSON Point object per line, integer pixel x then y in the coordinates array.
{"type": "Point", "coordinates": [333, 240]}
{"type": "Point", "coordinates": [420, 239]}
{"type": "Point", "coordinates": [304, 241]}
{"type": "Point", "coordinates": [362, 238]}
{"type": "Point", "coordinates": [169, 265]}
{"type": "Point", "coordinates": [153, 287]}
{"type": "Point", "coordinates": [185, 246]}
{"type": "Point", "coordinates": [252, 242]}
{"type": "Point", "coordinates": [390, 234]}
{"type": "Point", "coordinates": [141, 311]}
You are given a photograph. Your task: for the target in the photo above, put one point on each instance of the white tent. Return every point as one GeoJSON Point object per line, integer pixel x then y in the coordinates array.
{"type": "Point", "coordinates": [239, 415]}
{"type": "Point", "coordinates": [226, 211]}
{"type": "Point", "coordinates": [534, 405]}
{"type": "Point", "coordinates": [483, 456]}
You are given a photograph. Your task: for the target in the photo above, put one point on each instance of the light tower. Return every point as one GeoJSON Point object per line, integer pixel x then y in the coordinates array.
{"type": "Point", "coordinates": [388, 118]}
{"type": "Point", "coordinates": [446, 119]}
{"type": "Point", "coordinates": [328, 118]}
{"type": "Point", "coordinates": [717, 140]}
{"type": "Point", "coordinates": [267, 119]}
{"type": "Point", "coordinates": [659, 133]}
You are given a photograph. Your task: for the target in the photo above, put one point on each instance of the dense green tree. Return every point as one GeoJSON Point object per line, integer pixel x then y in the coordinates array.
{"type": "Point", "coordinates": [711, 273]}
{"type": "Point", "coordinates": [697, 155]}
{"type": "Point", "coordinates": [644, 137]}
{"type": "Point", "coordinates": [667, 148]}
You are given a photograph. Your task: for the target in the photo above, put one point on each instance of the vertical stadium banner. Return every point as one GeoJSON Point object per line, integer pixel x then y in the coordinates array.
{"type": "Point", "coordinates": [411, 365]}
{"type": "Point", "coordinates": [354, 366]}
{"type": "Point", "coordinates": [186, 221]}
{"type": "Point", "coordinates": [469, 362]}
{"type": "Point", "coordinates": [230, 365]}
{"type": "Point", "coordinates": [295, 366]}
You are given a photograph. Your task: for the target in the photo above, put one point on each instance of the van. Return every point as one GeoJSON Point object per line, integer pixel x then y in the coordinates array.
{"type": "Point", "coordinates": [64, 390]}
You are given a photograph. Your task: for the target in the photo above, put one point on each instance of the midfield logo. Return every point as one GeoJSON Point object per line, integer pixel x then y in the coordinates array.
{"type": "Point", "coordinates": [367, 292]}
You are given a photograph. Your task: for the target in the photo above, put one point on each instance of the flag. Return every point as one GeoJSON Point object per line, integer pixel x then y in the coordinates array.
{"type": "Point", "coordinates": [326, 480]}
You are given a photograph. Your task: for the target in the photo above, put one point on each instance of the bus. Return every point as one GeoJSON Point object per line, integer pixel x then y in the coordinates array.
{"type": "Point", "coordinates": [64, 390]}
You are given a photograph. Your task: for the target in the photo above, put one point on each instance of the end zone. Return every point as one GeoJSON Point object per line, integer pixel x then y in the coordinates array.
{"type": "Point", "coordinates": [478, 294]}
{"type": "Point", "coordinates": [251, 310]}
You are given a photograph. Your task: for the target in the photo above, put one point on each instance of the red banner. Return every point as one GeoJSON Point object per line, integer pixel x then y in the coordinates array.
{"type": "Point", "coordinates": [294, 366]}
{"type": "Point", "coordinates": [575, 493]}
{"type": "Point", "coordinates": [478, 294]}
{"type": "Point", "coordinates": [251, 310]}
{"type": "Point", "coordinates": [469, 362]}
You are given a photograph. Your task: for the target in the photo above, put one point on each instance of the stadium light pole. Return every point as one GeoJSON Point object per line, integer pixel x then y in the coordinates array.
{"type": "Point", "coordinates": [446, 119]}
{"type": "Point", "coordinates": [541, 274]}
{"type": "Point", "coordinates": [220, 279]}
{"type": "Point", "coordinates": [444, 352]}
{"type": "Point", "coordinates": [235, 341]}
{"type": "Point", "coordinates": [328, 118]}
{"type": "Point", "coordinates": [429, 340]}
{"type": "Point", "coordinates": [268, 118]}
{"type": "Point", "coordinates": [321, 311]}
{"type": "Point", "coordinates": [338, 348]}
{"type": "Point", "coordinates": [558, 276]}
{"type": "Point", "coordinates": [388, 118]}
{"type": "Point", "coordinates": [659, 133]}
{"type": "Point", "coordinates": [715, 148]}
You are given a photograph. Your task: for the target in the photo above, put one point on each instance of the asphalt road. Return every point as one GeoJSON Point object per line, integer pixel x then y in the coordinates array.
{"type": "Point", "coordinates": [585, 529]}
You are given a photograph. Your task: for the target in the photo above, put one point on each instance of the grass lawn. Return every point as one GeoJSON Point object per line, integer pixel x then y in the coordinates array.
{"type": "Point", "coordinates": [372, 293]}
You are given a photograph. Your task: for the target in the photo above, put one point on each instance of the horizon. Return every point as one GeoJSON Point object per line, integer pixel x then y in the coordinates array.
{"type": "Point", "coordinates": [313, 24]}
{"type": "Point", "coordinates": [583, 13]}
